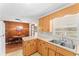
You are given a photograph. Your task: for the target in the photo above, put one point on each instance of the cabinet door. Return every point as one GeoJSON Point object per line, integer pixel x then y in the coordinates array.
{"type": "Point", "coordinates": [65, 52]}
{"type": "Point", "coordinates": [29, 47]}
{"type": "Point", "coordinates": [44, 24]}
{"type": "Point", "coordinates": [39, 47]}
{"type": "Point", "coordinates": [33, 46]}
{"type": "Point", "coordinates": [44, 50]}
{"type": "Point", "coordinates": [41, 24]}
{"type": "Point", "coordinates": [51, 52]}
{"type": "Point", "coordinates": [58, 54]}
{"type": "Point", "coordinates": [26, 48]}
{"type": "Point", "coordinates": [47, 25]}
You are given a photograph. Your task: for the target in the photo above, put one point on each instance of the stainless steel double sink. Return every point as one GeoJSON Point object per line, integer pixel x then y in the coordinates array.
{"type": "Point", "coordinates": [63, 43]}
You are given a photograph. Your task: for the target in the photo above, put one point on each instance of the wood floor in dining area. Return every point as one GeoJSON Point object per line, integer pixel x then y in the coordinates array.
{"type": "Point", "coordinates": [13, 47]}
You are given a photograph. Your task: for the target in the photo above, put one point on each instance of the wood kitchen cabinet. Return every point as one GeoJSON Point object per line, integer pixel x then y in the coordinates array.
{"type": "Point", "coordinates": [39, 46]}
{"type": "Point", "coordinates": [26, 48]}
{"type": "Point", "coordinates": [57, 54]}
{"type": "Point", "coordinates": [42, 48]}
{"type": "Point", "coordinates": [58, 51]}
{"type": "Point", "coordinates": [29, 47]}
{"type": "Point", "coordinates": [47, 49]}
{"type": "Point", "coordinates": [33, 46]}
{"type": "Point", "coordinates": [52, 50]}
{"type": "Point", "coordinates": [45, 24]}
{"type": "Point", "coordinates": [64, 52]}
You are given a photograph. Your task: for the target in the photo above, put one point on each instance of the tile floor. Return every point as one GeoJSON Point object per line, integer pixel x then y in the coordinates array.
{"type": "Point", "coordinates": [36, 54]}
{"type": "Point", "coordinates": [16, 53]}
{"type": "Point", "coordinates": [19, 53]}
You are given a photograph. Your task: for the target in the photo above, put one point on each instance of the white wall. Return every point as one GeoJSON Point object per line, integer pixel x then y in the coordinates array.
{"type": "Point", "coordinates": [66, 21]}
{"type": "Point", "coordinates": [2, 38]}
{"type": "Point", "coordinates": [26, 20]}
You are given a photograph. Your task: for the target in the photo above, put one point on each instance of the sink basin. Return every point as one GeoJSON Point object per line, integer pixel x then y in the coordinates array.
{"type": "Point", "coordinates": [56, 41]}
{"type": "Point", "coordinates": [62, 43]}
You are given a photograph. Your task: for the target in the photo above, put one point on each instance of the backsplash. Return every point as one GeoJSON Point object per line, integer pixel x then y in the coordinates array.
{"type": "Point", "coordinates": [46, 35]}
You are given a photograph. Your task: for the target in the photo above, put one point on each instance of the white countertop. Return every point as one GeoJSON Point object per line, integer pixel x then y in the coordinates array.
{"type": "Point", "coordinates": [58, 45]}
{"type": "Point", "coordinates": [30, 38]}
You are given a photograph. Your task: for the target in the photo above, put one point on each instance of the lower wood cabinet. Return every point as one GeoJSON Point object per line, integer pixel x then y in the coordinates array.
{"type": "Point", "coordinates": [33, 46]}
{"type": "Point", "coordinates": [51, 52]}
{"type": "Point", "coordinates": [44, 48]}
{"type": "Point", "coordinates": [64, 52]}
{"type": "Point", "coordinates": [39, 46]}
{"type": "Point", "coordinates": [58, 54]}
{"type": "Point", "coordinates": [26, 48]}
{"type": "Point", "coordinates": [45, 51]}
{"type": "Point", "coordinates": [29, 47]}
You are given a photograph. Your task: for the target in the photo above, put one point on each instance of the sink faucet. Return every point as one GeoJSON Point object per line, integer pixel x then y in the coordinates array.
{"type": "Point", "coordinates": [67, 41]}
{"type": "Point", "coordinates": [70, 42]}
{"type": "Point", "coordinates": [73, 45]}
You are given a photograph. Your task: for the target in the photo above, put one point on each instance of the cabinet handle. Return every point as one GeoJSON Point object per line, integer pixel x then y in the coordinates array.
{"type": "Point", "coordinates": [40, 44]}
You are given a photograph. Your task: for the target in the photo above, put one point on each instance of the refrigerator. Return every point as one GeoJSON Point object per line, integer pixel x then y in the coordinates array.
{"type": "Point", "coordinates": [2, 38]}
{"type": "Point", "coordinates": [33, 30]}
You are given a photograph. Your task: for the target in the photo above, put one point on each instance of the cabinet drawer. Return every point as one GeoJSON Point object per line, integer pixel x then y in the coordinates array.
{"type": "Point", "coordinates": [51, 46]}
{"type": "Point", "coordinates": [51, 52]}
{"type": "Point", "coordinates": [42, 42]}
{"type": "Point", "coordinates": [58, 54]}
{"type": "Point", "coordinates": [65, 52]}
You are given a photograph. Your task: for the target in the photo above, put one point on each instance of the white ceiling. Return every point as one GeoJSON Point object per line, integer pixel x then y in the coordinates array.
{"type": "Point", "coordinates": [22, 10]}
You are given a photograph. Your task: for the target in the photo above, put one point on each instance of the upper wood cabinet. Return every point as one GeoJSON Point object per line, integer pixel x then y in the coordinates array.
{"type": "Point", "coordinates": [45, 24]}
